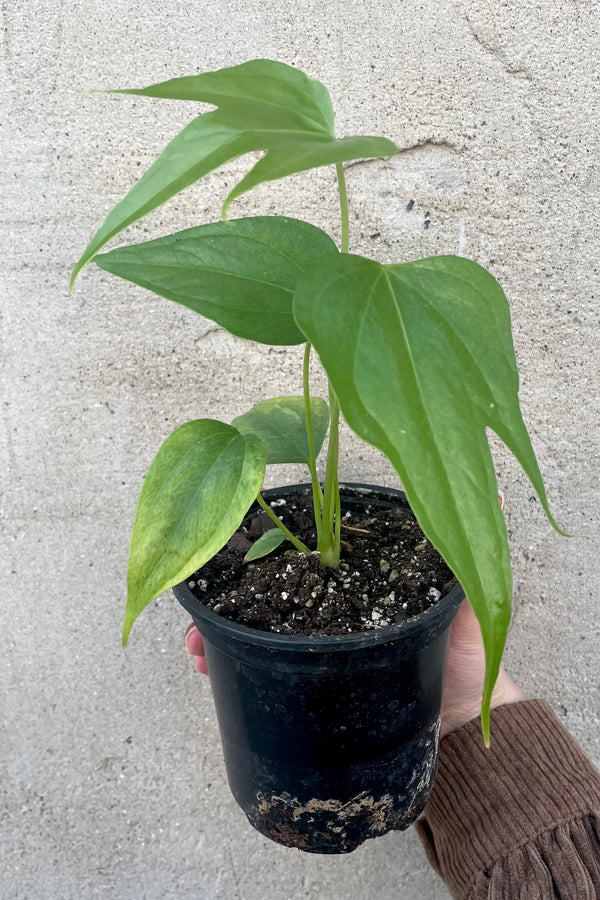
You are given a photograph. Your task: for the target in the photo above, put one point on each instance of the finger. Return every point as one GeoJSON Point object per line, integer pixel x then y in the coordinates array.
{"type": "Point", "coordinates": [201, 665]}
{"type": "Point", "coordinates": [193, 641]}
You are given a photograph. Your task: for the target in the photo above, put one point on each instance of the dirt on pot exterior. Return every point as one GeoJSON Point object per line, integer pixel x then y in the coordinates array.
{"type": "Point", "coordinates": [389, 572]}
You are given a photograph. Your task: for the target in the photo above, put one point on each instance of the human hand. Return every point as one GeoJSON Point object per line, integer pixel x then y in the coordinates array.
{"type": "Point", "coordinates": [465, 671]}
{"type": "Point", "coordinates": [195, 647]}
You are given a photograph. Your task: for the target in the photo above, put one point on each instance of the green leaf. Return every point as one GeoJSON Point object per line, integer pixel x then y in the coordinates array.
{"type": "Point", "coordinates": [420, 356]}
{"type": "Point", "coordinates": [280, 425]}
{"type": "Point", "coordinates": [198, 489]}
{"type": "Point", "coordinates": [241, 274]}
{"type": "Point", "coordinates": [265, 544]}
{"type": "Point", "coordinates": [203, 145]}
{"type": "Point", "coordinates": [283, 159]}
{"type": "Point", "coordinates": [263, 105]}
{"type": "Point", "coordinates": [260, 93]}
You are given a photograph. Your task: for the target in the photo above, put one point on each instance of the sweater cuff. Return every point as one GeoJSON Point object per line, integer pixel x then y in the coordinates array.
{"type": "Point", "coordinates": [488, 802]}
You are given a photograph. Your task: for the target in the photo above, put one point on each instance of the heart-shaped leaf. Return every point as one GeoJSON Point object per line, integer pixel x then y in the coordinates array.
{"type": "Point", "coordinates": [265, 544]}
{"type": "Point", "coordinates": [197, 491]}
{"type": "Point", "coordinates": [241, 274]}
{"type": "Point", "coordinates": [420, 356]}
{"type": "Point", "coordinates": [263, 105]}
{"type": "Point", "coordinates": [280, 425]}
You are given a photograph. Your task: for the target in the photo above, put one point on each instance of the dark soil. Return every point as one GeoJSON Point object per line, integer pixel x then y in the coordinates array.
{"type": "Point", "coordinates": [389, 572]}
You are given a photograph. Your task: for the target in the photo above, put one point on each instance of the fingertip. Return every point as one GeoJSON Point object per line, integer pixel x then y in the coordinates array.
{"type": "Point", "coordinates": [193, 641]}
{"type": "Point", "coordinates": [201, 665]}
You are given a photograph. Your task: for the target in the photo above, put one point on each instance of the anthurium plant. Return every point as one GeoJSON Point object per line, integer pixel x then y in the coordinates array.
{"type": "Point", "coordinates": [418, 355]}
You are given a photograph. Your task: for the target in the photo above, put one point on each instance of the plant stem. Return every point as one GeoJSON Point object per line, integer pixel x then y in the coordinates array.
{"type": "Point", "coordinates": [343, 207]}
{"type": "Point", "coordinates": [312, 465]}
{"type": "Point", "coordinates": [295, 541]}
{"type": "Point", "coordinates": [329, 543]}
{"type": "Point", "coordinates": [330, 548]}
{"type": "Point", "coordinates": [338, 516]}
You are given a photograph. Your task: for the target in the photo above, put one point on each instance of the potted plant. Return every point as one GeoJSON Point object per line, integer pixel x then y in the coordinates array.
{"type": "Point", "coordinates": [328, 738]}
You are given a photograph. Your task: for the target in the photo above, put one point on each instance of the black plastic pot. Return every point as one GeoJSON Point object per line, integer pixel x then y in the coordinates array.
{"type": "Point", "coordinates": [329, 741]}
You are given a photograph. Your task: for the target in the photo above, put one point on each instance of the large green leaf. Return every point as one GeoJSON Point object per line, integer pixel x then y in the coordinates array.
{"type": "Point", "coordinates": [241, 274]}
{"type": "Point", "coordinates": [420, 356]}
{"type": "Point", "coordinates": [203, 145]}
{"type": "Point", "coordinates": [199, 487]}
{"type": "Point", "coordinates": [263, 92]}
{"type": "Point", "coordinates": [280, 424]}
{"type": "Point", "coordinates": [263, 105]}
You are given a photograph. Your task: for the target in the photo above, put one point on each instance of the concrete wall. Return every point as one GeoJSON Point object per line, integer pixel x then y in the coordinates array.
{"type": "Point", "coordinates": [112, 783]}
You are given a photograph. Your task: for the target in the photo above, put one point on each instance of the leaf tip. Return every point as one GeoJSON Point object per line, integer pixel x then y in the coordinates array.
{"type": "Point", "coordinates": [485, 721]}
{"type": "Point", "coordinates": [553, 521]}
{"type": "Point", "coordinates": [563, 533]}
{"type": "Point", "coordinates": [125, 634]}
{"type": "Point", "coordinates": [392, 147]}
{"type": "Point", "coordinates": [130, 613]}
{"type": "Point", "coordinates": [75, 273]}
{"type": "Point", "coordinates": [225, 207]}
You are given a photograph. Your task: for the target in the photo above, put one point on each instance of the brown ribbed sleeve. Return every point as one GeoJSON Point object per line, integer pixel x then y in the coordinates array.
{"type": "Point", "coordinates": [520, 821]}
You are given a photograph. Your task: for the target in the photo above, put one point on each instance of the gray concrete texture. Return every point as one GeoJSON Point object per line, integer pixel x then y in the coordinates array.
{"type": "Point", "coordinates": [112, 783]}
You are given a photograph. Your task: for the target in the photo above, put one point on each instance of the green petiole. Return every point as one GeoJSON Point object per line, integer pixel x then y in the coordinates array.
{"type": "Point", "coordinates": [329, 543]}
{"type": "Point", "coordinates": [312, 465]}
{"type": "Point", "coordinates": [294, 540]}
